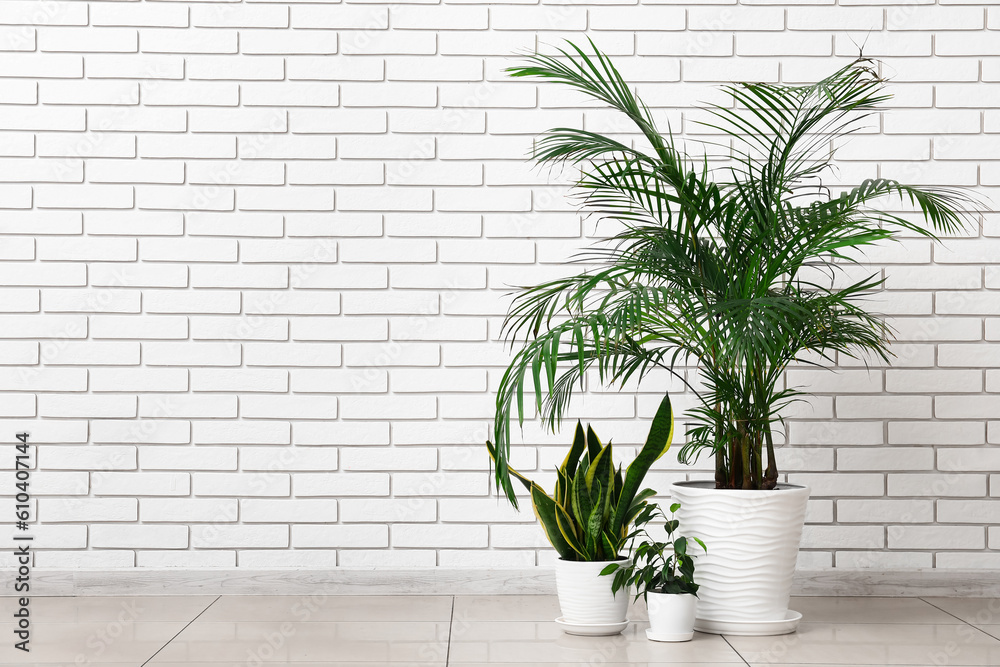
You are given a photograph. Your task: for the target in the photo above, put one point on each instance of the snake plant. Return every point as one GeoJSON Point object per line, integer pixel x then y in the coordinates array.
{"type": "Point", "coordinates": [588, 516]}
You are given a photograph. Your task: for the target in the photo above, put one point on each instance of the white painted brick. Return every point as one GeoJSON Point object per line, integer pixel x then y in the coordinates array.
{"type": "Point", "coordinates": [51, 484]}
{"type": "Point", "coordinates": [240, 485]}
{"type": "Point", "coordinates": [141, 484]}
{"type": "Point", "coordinates": [131, 66]}
{"type": "Point", "coordinates": [231, 432]}
{"type": "Point", "coordinates": [55, 537]}
{"type": "Point", "coordinates": [393, 559]}
{"type": "Point", "coordinates": [851, 537]}
{"type": "Point", "coordinates": [190, 354]}
{"type": "Point", "coordinates": [844, 484]}
{"type": "Point", "coordinates": [333, 537]}
{"type": "Point", "coordinates": [187, 458]}
{"type": "Point", "coordinates": [885, 458]}
{"type": "Point", "coordinates": [885, 511]}
{"type": "Point", "coordinates": [260, 16]}
{"type": "Point", "coordinates": [214, 537]}
{"type": "Point", "coordinates": [962, 459]}
{"type": "Point", "coordinates": [90, 40]}
{"type": "Point", "coordinates": [409, 458]}
{"type": "Point", "coordinates": [185, 559]}
{"type": "Point", "coordinates": [968, 561]}
{"type": "Point", "coordinates": [60, 432]}
{"type": "Point", "coordinates": [138, 224]}
{"type": "Point", "coordinates": [271, 558]}
{"type": "Point", "coordinates": [485, 510]}
{"type": "Point", "coordinates": [146, 431]}
{"type": "Point", "coordinates": [337, 485]}
{"type": "Point", "coordinates": [860, 560]}
{"type": "Point", "coordinates": [968, 511]}
{"type": "Point", "coordinates": [189, 510]}
{"type": "Point", "coordinates": [44, 379]}
{"type": "Point", "coordinates": [87, 510]}
{"type": "Point", "coordinates": [341, 433]}
{"type": "Point", "coordinates": [301, 354]}
{"type": "Point", "coordinates": [613, 18]}
{"type": "Point", "coordinates": [139, 537]}
{"type": "Point", "coordinates": [355, 510]}
{"type": "Point", "coordinates": [884, 407]}
{"type": "Point", "coordinates": [87, 406]}
{"type": "Point", "coordinates": [936, 485]}
{"type": "Point", "coordinates": [288, 458]}
{"type": "Point", "coordinates": [138, 379]}
{"type": "Point", "coordinates": [288, 511]}
{"type": "Point", "coordinates": [956, 407]}
{"type": "Point", "coordinates": [183, 405]}
{"type": "Point", "coordinates": [123, 326]}
{"type": "Point", "coordinates": [105, 558]}
{"type": "Point", "coordinates": [440, 484]}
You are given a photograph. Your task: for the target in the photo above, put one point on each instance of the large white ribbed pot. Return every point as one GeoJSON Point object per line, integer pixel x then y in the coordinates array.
{"type": "Point", "coordinates": [753, 541]}
{"type": "Point", "coordinates": [585, 596]}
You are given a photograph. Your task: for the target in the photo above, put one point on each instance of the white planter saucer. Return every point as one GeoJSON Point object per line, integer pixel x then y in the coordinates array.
{"type": "Point", "coordinates": [782, 626]}
{"type": "Point", "coordinates": [682, 637]}
{"type": "Point", "coordinates": [591, 629]}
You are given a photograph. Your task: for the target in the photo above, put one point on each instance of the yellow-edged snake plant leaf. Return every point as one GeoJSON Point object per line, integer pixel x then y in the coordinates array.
{"type": "Point", "coordinates": [572, 459]}
{"type": "Point", "coordinates": [661, 433]}
{"type": "Point", "coordinates": [593, 444]}
{"type": "Point", "coordinates": [570, 532]}
{"type": "Point", "coordinates": [547, 512]}
{"type": "Point", "coordinates": [601, 468]}
{"type": "Point", "coordinates": [581, 502]}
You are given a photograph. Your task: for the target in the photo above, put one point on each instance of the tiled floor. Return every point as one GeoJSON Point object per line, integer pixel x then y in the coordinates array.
{"type": "Point", "coordinates": [475, 631]}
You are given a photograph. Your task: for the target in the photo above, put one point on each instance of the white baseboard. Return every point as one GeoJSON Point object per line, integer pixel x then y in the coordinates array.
{"type": "Point", "coordinates": [440, 581]}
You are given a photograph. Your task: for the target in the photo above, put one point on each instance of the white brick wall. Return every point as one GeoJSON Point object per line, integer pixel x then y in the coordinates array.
{"type": "Point", "coordinates": [255, 258]}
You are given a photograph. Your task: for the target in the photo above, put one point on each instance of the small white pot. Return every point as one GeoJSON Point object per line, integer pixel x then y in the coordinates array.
{"type": "Point", "coordinates": [745, 578]}
{"type": "Point", "coordinates": [585, 596]}
{"type": "Point", "coordinates": [671, 617]}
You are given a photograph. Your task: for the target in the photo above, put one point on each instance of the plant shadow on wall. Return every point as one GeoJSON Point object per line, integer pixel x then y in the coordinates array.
{"type": "Point", "coordinates": [739, 269]}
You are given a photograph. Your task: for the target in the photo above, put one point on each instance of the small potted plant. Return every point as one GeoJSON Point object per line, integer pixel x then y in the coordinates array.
{"type": "Point", "coordinates": [663, 574]}
{"type": "Point", "coordinates": [588, 518]}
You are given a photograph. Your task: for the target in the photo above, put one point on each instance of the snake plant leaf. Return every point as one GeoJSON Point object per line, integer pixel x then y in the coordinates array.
{"type": "Point", "coordinates": [582, 504]}
{"type": "Point", "coordinates": [641, 497]}
{"type": "Point", "coordinates": [563, 485]}
{"type": "Point", "coordinates": [601, 468]}
{"type": "Point", "coordinates": [611, 546]}
{"type": "Point", "coordinates": [571, 533]}
{"type": "Point", "coordinates": [572, 460]}
{"type": "Point", "coordinates": [595, 521]}
{"type": "Point", "coordinates": [593, 443]}
{"type": "Point", "coordinates": [547, 512]}
{"type": "Point", "coordinates": [521, 478]}
{"type": "Point", "coordinates": [619, 483]}
{"type": "Point", "coordinates": [661, 432]}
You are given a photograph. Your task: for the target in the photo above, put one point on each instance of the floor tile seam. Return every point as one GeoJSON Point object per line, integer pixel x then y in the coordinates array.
{"type": "Point", "coordinates": [738, 654]}
{"type": "Point", "coordinates": [964, 622]}
{"type": "Point", "coordinates": [177, 634]}
{"type": "Point", "coordinates": [451, 627]}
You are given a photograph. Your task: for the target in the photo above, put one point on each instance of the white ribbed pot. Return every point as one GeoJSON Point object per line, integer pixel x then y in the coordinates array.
{"type": "Point", "coordinates": [753, 541]}
{"type": "Point", "coordinates": [585, 596]}
{"type": "Point", "coordinates": [671, 617]}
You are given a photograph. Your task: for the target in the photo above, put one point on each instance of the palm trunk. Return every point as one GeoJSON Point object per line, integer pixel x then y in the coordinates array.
{"type": "Point", "coordinates": [771, 474]}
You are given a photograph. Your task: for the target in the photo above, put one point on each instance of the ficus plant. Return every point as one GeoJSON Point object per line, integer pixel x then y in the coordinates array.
{"type": "Point", "coordinates": [655, 566]}
{"type": "Point", "coordinates": [737, 269]}
{"type": "Point", "coordinates": [589, 516]}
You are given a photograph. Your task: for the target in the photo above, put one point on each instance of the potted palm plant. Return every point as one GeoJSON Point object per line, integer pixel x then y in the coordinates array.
{"type": "Point", "coordinates": [587, 521]}
{"type": "Point", "coordinates": [738, 271]}
{"type": "Point", "coordinates": [662, 573]}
